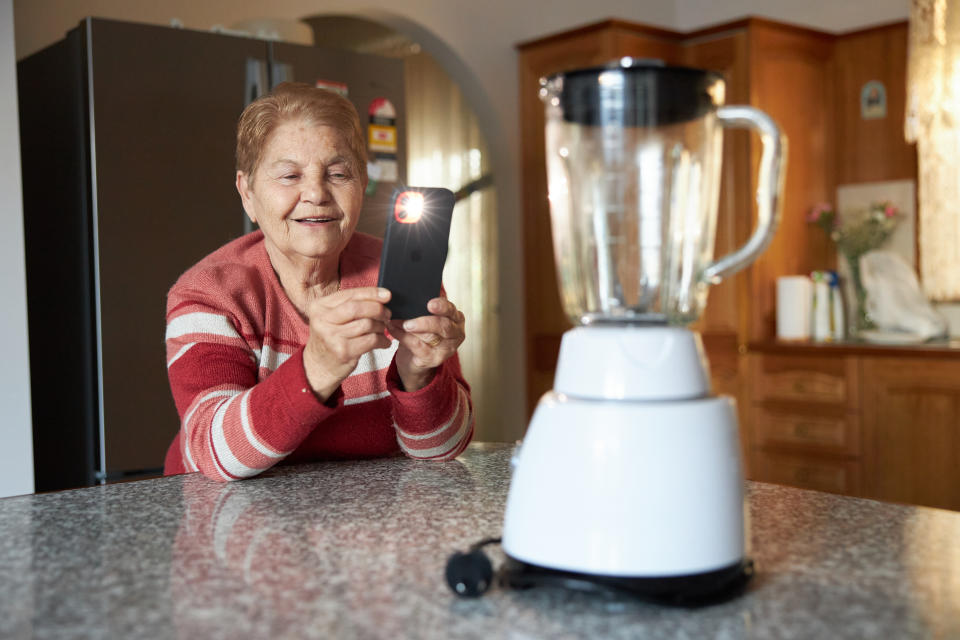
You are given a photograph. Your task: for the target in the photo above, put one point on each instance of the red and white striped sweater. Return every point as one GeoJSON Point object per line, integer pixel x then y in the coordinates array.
{"type": "Point", "coordinates": [235, 363]}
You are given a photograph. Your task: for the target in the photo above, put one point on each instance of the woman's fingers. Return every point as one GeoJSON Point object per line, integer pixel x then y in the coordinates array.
{"type": "Point", "coordinates": [427, 342]}
{"type": "Point", "coordinates": [344, 326]}
{"type": "Point", "coordinates": [345, 306]}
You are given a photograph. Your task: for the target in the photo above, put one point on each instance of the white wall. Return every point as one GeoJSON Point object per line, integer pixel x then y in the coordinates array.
{"type": "Point", "coordinates": [16, 438]}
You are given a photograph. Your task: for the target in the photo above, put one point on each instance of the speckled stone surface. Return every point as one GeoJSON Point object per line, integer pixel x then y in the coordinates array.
{"type": "Point", "coordinates": [358, 549]}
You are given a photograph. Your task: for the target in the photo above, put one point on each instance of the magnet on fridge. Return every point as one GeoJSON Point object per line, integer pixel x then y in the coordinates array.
{"type": "Point", "coordinates": [387, 166]}
{"type": "Point", "coordinates": [382, 138]}
{"type": "Point", "coordinates": [382, 127]}
{"type": "Point", "coordinates": [330, 85]}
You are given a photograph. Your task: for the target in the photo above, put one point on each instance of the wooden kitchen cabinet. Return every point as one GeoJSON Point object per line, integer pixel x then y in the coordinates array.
{"type": "Point", "coordinates": [861, 420]}
{"type": "Point", "coordinates": [911, 418]}
{"type": "Point", "coordinates": [804, 421]}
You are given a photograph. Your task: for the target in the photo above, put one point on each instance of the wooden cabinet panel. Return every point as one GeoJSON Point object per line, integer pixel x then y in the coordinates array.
{"type": "Point", "coordinates": [831, 380]}
{"type": "Point", "coordinates": [792, 81]}
{"type": "Point", "coordinates": [727, 55]}
{"type": "Point", "coordinates": [875, 149]}
{"type": "Point", "coordinates": [818, 431]}
{"type": "Point", "coordinates": [804, 422]}
{"type": "Point", "coordinates": [835, 475]}
{"type": "Point", "coordinates": [911, 423]}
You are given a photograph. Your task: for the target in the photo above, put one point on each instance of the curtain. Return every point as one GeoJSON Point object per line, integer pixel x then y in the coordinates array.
{"type": "Point", "coordinates": [933, 122]}
{"type": "Point", "coordinates": [446, 149]}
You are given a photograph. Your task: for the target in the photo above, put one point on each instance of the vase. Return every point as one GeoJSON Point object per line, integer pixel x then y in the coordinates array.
{"type": "Point", "coordinates": [860, 320]}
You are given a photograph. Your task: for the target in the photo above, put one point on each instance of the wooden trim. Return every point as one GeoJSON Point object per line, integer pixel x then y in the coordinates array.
{"type": "Point", "coordinates": [635, 27]}
{"type": "Point", "coordinates": [753, 21]}
{"type": "Point", "coordinates": [705, 32]}
{"type": "Point", "coordinates": [879, 27]}
{"type": "Point", "coordinates": [944, 349]}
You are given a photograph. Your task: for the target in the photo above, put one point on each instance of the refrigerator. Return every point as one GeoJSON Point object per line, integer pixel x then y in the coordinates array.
{"type": "Point", "coordinates": [128, 138]}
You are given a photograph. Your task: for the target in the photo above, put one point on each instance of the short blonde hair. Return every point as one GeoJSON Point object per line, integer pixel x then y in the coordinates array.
{"type": "Point", "coordinates": [297, 101]}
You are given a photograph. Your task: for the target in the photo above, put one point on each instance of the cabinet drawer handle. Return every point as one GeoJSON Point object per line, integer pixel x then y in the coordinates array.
{"type": "Point", "coordinates": [804, 430]}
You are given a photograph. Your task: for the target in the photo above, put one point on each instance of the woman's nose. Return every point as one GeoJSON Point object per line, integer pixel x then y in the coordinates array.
{"type": "Point", "coordinates": [315, 190]}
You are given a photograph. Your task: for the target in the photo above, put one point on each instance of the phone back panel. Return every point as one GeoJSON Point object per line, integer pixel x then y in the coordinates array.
{"type": "Point", "coordinates": [415, 249]}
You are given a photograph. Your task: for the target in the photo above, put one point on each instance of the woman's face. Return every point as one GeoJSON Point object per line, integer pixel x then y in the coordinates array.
{"type": "Point", "coordinates": [304, 194]}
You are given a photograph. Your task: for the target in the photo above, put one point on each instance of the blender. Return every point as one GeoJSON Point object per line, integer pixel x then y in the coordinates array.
{"type": "Point", "coordinates": [630, 472]}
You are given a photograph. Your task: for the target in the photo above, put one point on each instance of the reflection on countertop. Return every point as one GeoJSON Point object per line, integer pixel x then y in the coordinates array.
{"type": "Point", "coordinates": [357, 550]}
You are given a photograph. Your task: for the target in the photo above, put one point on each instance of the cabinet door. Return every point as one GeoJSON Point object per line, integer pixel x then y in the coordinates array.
{"type": "Point", "coordinates": [911, 420]}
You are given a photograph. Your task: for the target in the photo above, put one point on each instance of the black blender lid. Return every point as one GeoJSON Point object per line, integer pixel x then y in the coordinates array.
{"type": "Point", "coordinates": [636, 92]}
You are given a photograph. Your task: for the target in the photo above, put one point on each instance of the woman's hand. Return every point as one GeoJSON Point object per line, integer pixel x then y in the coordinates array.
{"type": "Point", "coordinates": [426, 342]}
{"type": "Point", "coordinates": [343, 326]}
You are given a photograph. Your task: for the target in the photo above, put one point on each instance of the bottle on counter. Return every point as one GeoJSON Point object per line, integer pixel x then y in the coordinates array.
{"type": "Point", "coordinates": [820, 308]}
{"type": "Point", "coordinates": [837, 327]}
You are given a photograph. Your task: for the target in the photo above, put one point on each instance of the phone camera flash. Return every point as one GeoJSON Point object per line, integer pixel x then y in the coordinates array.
{"type": "Point", "coordinates": [409, 207]}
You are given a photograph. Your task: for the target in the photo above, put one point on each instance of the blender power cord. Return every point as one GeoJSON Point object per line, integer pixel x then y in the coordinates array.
{"type": "Point", "coordinates": [470, 574]}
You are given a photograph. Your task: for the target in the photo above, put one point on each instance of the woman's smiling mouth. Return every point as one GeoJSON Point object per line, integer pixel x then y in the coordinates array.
{"type": "Point", "coordinates": [315, 220]}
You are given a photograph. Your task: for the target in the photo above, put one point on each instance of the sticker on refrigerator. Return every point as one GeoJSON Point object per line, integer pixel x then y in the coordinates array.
{"type": "Point", "coordinates": [386, 167]}
{"type": "Point", "coordinates": [382, 111]}
{"type": "Point", "coordinates": [382, 138]}
{"type": "Point", "coordinates": [382, 141]}
{"type": "Point", "coordinates": [330, 85]}
{"type": "Point", "coordinates": [382, 129]}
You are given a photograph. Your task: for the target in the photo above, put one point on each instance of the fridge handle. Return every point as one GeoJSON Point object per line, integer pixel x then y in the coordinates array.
{"type": "Point", "coordinates": [256, 84]}
{"type": "Point", "coordinates": [280, 72]}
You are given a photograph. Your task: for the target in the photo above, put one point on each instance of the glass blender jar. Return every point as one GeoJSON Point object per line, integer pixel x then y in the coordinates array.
{"type": "Point", "coordinates": [630, 469]}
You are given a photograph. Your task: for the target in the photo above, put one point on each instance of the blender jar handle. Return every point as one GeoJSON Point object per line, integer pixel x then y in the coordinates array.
{"type": "Point", "coordinates": [769, 188]}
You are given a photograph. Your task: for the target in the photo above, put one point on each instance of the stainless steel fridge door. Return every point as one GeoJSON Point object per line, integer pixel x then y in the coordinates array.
{"type": "Point", "coordinates": [163, 106]}
{"type": "Point", "coordinates": [368, 79]}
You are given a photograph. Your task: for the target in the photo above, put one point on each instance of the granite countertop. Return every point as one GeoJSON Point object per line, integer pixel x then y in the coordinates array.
{"type": "Point", "coordinates": [358, 549]}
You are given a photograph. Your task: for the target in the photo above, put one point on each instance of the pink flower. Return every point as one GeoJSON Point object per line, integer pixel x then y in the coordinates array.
{"type": "Point", "coordinates": [889, 210]}
{"type": "Point", "coordinates": [818, 210]}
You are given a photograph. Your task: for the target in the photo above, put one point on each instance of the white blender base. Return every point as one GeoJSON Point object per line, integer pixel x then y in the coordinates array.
{"type": "Point", "coordinates": [628, 489]}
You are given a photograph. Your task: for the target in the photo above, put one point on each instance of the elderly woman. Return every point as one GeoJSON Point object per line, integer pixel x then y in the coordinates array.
{"type": "Point", "coordinates": [279, 344]}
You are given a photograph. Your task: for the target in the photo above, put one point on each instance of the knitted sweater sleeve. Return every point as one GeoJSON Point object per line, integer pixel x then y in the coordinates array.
{"type": "Point", "coordinates": [233, 426]}
{"type": "Point", "coordinates": [435, 422]}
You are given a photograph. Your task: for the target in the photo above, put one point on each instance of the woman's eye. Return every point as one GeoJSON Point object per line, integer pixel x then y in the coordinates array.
{"type": "Point", "coordinates": [290, 176]}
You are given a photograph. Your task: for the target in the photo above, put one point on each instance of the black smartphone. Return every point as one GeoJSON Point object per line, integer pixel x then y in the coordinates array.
{"type": "Point", "coordinates": [415, 248]}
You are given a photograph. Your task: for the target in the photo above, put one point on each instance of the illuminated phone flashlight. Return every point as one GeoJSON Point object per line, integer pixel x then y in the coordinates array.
{"type": "Point", "coordinates": [409, 207]}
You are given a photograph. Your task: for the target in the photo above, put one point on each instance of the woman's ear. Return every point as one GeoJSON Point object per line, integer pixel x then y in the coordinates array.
{"type": "Point", "coordinates": [246, 195]}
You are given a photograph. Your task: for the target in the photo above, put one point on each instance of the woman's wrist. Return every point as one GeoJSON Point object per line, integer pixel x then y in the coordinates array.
{"type": "Point", "coordinates": [321, 382]}
{"type": "Point", "coordinates": [415, 379]}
